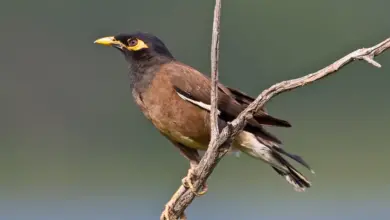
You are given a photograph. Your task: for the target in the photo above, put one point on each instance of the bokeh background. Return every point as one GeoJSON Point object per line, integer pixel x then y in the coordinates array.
{"type": "Point", "coordinates": [74, 146]}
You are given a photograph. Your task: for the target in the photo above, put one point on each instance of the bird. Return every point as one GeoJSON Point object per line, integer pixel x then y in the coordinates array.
{"type": "Point", "coordinates": [175, 97]}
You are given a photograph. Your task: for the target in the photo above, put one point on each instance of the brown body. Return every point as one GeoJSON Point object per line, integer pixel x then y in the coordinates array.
{"type": "Point", "coordinates": [167, 110]}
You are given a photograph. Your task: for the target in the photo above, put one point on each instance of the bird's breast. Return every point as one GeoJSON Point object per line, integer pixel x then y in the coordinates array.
{"type": "Point", "coordinates": [176, 118]}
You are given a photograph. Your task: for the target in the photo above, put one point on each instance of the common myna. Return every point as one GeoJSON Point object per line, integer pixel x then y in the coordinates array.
{"type": "Point", "coordinates": [176, 99]}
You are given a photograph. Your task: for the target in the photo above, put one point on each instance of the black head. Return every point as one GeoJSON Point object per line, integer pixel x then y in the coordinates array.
{"type": "Point", "coordinates": [137, 46]}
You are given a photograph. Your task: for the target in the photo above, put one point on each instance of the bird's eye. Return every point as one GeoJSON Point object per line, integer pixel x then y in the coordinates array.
{"type": "Point", "coordinates": [132, 42]}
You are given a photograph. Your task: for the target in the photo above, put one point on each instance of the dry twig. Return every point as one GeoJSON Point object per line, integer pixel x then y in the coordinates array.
{"type": "Point", "coordinates": [214, 71]}
{"type": "Point", "coordinates": [220, 143]}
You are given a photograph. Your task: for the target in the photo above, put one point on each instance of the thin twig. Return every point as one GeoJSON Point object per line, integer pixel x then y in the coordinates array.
{"type": "Point", "coordinates": [214, 71]}
{"type": "Point", "coordinates": [184, 197]}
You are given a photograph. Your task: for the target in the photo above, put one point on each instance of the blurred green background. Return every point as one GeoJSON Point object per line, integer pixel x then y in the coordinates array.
{"type": "Point", "coordinates": [75, 146]}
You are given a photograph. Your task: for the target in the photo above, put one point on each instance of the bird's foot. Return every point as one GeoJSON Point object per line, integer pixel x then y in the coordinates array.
{"type": "Point", "coordinates": [187, 182]}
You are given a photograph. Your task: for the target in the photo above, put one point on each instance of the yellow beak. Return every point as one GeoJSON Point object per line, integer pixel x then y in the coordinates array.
{"type": "Point", "coordinates": [107, 41]}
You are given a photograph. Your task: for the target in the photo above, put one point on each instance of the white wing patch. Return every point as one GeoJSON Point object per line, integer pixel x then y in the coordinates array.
{"type": "Point", "coordinates": [200, 104]}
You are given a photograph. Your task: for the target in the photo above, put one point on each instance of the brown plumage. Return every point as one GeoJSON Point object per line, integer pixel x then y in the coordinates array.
{"type": "Point", "coordinates": [176, 99]}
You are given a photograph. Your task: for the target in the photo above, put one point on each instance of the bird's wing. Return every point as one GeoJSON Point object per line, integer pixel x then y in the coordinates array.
{"type": "Point", "coordinates": [231, 102]}
{"type": "Point", "coordinates": [195, 87]}
{"type": "Point", "coordinates": [245, 100]}
{"type": "Point", "coordinates": [240, 96]}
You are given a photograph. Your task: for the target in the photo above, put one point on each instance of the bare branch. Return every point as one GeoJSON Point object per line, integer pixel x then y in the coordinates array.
{"type": "Point", "coordinates": [214, 71]}
{"type": "Point", "coordinates": [183, 197]}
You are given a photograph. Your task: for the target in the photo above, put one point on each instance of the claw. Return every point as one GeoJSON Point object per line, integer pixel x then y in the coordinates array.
{"type": "Point", "coordinates": [187, 182]}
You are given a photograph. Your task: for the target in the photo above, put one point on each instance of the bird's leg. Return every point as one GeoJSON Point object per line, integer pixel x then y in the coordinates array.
{"type": "Point", "coordinates": [193, 156]}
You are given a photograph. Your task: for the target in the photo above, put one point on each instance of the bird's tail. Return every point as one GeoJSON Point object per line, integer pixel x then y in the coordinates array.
{"type": "Point", "coordinates": [272, 154]}
{"type": "Point", "coordinates": [292, 175]}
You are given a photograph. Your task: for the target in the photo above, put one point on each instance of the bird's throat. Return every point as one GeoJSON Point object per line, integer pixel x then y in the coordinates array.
{"type": "Point", "coordinates": [142, 71]}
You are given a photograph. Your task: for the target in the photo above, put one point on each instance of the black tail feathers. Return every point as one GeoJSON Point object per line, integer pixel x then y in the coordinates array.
{"type": "Point", "coordinates": [292, 175]}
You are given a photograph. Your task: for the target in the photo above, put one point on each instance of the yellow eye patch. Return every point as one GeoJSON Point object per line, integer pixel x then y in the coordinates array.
{"type": "Point", "coordinates": [136, 44]}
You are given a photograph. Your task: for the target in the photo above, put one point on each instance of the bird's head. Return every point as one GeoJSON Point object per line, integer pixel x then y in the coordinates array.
{"type": "Point", "coordinates": [137, 46]}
